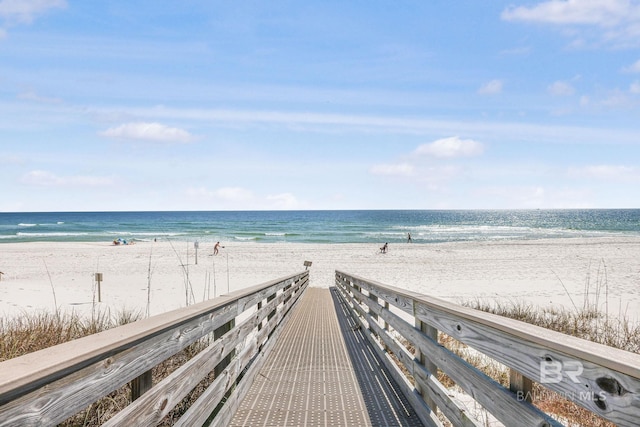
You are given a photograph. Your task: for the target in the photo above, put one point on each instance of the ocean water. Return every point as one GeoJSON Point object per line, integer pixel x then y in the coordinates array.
{"type": "Point", "coordinates": [425, 226]}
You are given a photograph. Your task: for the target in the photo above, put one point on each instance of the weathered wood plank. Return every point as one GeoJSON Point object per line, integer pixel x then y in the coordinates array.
{"type": "Point", "coordinates": [423, 358]}
{"type": "Point", "coordinates": [141, 384]}
{"type": "Point", "coordinates": [154, 405]}
{"type": "Point", "coordinates": [401, 300]}
{"type": "Point", "coordinates": [80, 372]}
{"type": "Point", "coordinates": [157, 403]}
{"type": "Point", "coordinates": [610, 394]}
{"type": "Point", "coordinates": [20, 375]}
{"type": "Point", "coordinates": [32, 370]}
{"type": "Point", "coordinates": [426, 415]}
{"type": "Point", "coordinates": [70, 394]}
{"type": "Point", "coordinates": [253, 299]}
{"type": "Point", "coordinates": [496, 399]}
{"type": "Point", "coordinates": [199, 412]}
{"type": "Point", "coordinates": [619, 360]}
{"type": "Point", "coordinates": [602, 379]}
{"type": "Point", "coordinates": [230, 407]}
{"type": "Point", "coordinates": [520, 385]}
{"type": "Point", "coordinates": [491, 395]}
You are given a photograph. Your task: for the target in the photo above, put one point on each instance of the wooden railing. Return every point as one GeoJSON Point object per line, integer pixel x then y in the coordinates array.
{"type": "Point", "coordinates": [48, 386]}
{"type": "Point", "coordinates": [604, 380]}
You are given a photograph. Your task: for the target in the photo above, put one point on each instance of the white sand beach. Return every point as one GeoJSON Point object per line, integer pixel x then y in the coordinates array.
{"type": "Point", "coordinates": [553, 272]}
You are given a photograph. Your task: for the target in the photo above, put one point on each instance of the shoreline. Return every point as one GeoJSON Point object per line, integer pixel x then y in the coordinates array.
{"type": "Point", "coordinates": [545, 272]}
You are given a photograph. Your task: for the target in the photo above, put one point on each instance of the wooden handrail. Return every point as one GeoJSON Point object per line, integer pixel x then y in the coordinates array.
{"type": "Point", "coordinates": [602, 379]}
{"type": "Point", "coordinates": [48, 386]}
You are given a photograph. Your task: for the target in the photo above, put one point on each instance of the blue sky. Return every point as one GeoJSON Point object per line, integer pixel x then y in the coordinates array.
{"type": "Point", "coordinates": [219, 105]}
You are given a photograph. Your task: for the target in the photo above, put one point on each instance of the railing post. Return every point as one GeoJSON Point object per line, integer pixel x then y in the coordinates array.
{"type": "Point", "coordinates": [272, 312]}
{"type": "Point", "coordinates": [355, 297]}
{"type": "Point", "coordinates": [285, 289]}
{"type": "Point", "coordinates": [520, 385]}
{"type": "Point", "coordinates": [141, 385]}
{"type": "Point", "coordinates": [432, 333]}
{"type": "Point", "coordinates": [217, 334]}
{"type": "Point", "coordinates": [386, 324]}
{"type": "Point", "coordinates": [373, 315]}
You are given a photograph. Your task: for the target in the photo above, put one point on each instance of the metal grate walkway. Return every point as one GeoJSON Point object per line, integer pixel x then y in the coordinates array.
{"type": "Point", "coordinates": [321, 373]}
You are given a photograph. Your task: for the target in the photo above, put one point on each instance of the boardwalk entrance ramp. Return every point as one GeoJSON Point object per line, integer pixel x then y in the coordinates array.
{"type": "Point", "coordinates": [322, 372]}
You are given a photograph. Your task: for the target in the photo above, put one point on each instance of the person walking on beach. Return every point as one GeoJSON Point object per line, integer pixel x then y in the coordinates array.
{"type": "Point", "coordinates": [409, 238]}
{"type": "Point", "coordinates": [216, 248]}
{"type": "Point", "coordinates": [384, 248]}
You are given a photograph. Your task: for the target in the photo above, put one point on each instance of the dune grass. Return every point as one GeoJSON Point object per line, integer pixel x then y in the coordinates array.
{"type": "Point", "coordinates": [592, 321]}
{"type": "Point", "coordinates": [33, 332]}
{"type": "Point", "coordinates": [586, 323]}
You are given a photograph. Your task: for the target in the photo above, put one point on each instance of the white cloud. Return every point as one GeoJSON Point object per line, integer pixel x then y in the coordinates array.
{"type": "Point", "coordinates": [31, 95]}
{"type": "Point", "coordinates": [491, 88]}
{"type": "Point", "coordinates": [42, 178]}
{"type": "Point", "coordinates": [531, 197]}
{"type": "Point", "coordinates": [618, 99]}
{"type": "Point", "coordinates": [635, 87]}
{"type": "Point", "coordinates": [437, 178]}
{"type": "Point", "coordinates": [242, 198]}
{"type": "Point", "coordinates": [617, 21]}
{"type": "Point", "coordinates": [148, 132]}
{"type": "Point", "coordinates": [233, 194]}
{"type": "Point", "coordinates": [522, 50]}
{"type": "Point", "coordinates": [333, 123]}
{"type": "Point", "coordinates": [12, 159]}
{"type": "Point", "coordinates": [25, 11]}
{"type": "Point", "coordinates": [451, 147]}
{"type": "Point", "coordinates": [226, 194]}
{"type": "Point", "coordinates": [283, 201]}
{"type": "Point", "coordinates": [597, 12]}
{"type": "Point", "coordinates": [560, 88]}
{"type": "Point", "coordinates": [401, 169]}
{"type": "Point", "coordinates": [605, 172]}
{"type": "Point", "coordinates": [633, 68]}
{"type": "Point", "coordinates": [536, 196]}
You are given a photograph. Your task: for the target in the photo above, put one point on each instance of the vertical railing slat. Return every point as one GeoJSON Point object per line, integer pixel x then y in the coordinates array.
{"type": "Point", "coordinates": [432, 333]}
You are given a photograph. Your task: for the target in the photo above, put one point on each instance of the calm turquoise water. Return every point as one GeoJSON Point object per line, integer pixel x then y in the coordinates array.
{"type": "Point", "coordinates": [318, 226]}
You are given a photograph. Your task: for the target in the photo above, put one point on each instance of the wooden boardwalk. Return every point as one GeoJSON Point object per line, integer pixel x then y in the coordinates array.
{"type": "Point", "coordinates": [321, 372]}
{"type": "Point", "coordinates": [285, 354]}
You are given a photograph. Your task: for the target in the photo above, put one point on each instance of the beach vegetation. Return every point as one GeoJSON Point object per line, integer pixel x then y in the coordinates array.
{"type": "Point", "coordinates": [590, 320]}
{"type": "Point", "coordinates": [587, 323]}
{"type": "Point", "coordinates": [31, 332]}
{"type": "Point", "coordinates": [583, 321]}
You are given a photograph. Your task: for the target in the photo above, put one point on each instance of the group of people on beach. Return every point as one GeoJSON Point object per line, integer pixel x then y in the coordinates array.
{"type": "Point", "coordinates": [121, 241]}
